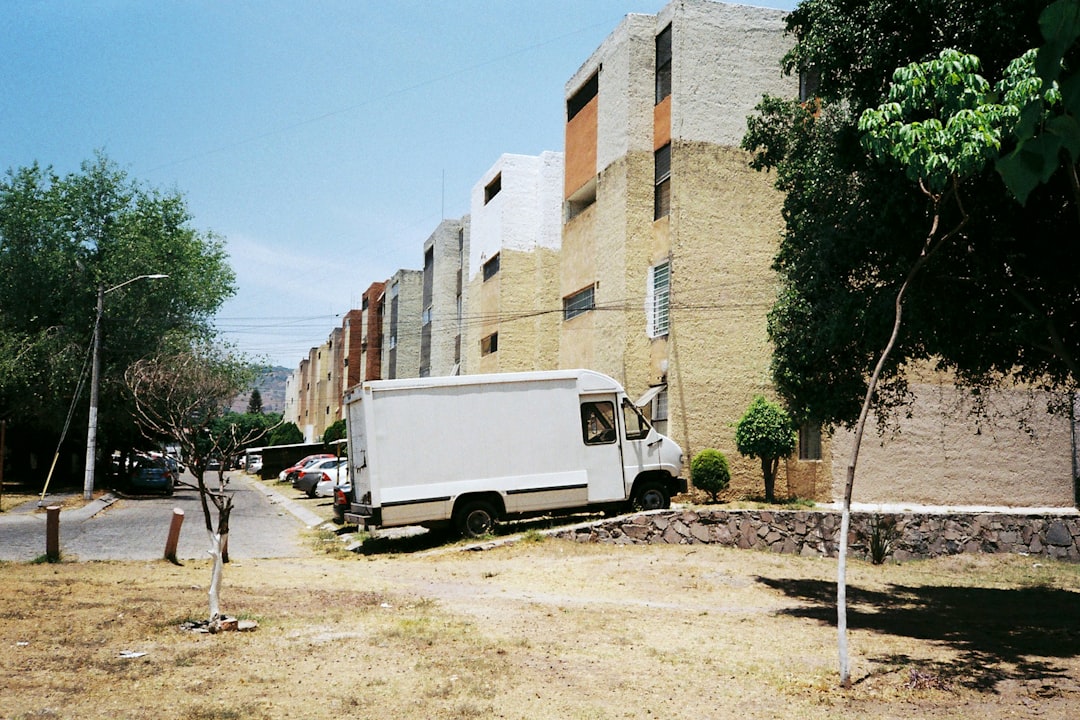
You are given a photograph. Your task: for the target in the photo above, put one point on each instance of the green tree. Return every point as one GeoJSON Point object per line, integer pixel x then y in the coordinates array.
{"type": "Point", "coordinates": [255, 406]}
{"type": "Point", "coordinates": [62, 238]}
{"type": "Point", "coordinates": [336, 431]}
{"type": "Point", "coordinates": [998, 302]}
{"type": "Point", "coordinates": [765, 432]}
{"type": "Point", "coordinates": [286, 434]}
{"type": "Point", "coordinates": [709, 472]}
{"type": "Point", "coordinates": [1048, 94]}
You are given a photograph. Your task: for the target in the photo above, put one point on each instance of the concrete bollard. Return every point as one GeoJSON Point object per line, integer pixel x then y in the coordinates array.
{"type": "Point", "coordinates": [52, 533]}
{"type": "Point", "coordinates": [174, 536]}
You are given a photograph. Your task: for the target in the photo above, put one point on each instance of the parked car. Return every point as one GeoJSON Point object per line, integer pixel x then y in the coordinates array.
{"type": "Point", "coordinates": [253, 464]}
{"type": "Point", "coordinates": [307, 480]}
{"type": "Point", "coordinates": [290, 473]}
{"type": "Point", "coordinates": [331, 479]}
{"type": "Point", "coordinates": [150, 474]}
{"type": "Point", "coordinates": [342, 500]}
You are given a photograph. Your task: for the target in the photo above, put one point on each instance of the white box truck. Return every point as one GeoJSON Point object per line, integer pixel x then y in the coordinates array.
{"type": "Point", "coordinates": [473, 449]}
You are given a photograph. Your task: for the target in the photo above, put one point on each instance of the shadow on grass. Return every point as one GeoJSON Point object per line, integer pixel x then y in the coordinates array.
{"type": "Point", "coordinates": [999, 634]}
{"type": "Point", "coordinates": [431, 539]}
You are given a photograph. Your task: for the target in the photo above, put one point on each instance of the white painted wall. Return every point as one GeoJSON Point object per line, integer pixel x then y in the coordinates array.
{"type": "Point", "coordinates": [526, 214]}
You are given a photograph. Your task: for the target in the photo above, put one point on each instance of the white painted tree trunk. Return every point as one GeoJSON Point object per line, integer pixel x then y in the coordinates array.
{"type": "Point", "coordinates": [217, 544]}
{"type": "Point", "coordinates": [929, 247]}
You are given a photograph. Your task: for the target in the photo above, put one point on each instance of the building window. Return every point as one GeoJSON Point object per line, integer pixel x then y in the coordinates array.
{"type": "Point", "coordinates": [490, 344]}
{"type": "Point", "coordinates": [657, 300]}
{"type": "Point", "coordinates": [810, 442]}
{"type": "Point", "coordinates": [663, 64]}
{"type": "Point", "coordinates": [581, 98]}
{"type": "Point", "coordinates": [662, 181]}
{"type": "Point", "coordinates": [579, 303]}
{"type": "Point", "coordinates": [492, 188]}
{"type": "Point", "coordinates": [491, 268]}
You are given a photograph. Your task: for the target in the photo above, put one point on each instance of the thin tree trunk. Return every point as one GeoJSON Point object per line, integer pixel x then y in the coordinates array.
{"type": "Point", "coordinates": [929, 247]}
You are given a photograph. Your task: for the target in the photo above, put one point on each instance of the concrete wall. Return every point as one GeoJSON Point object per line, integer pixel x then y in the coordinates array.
{"type": "Point", "coordinates": [939, 452]}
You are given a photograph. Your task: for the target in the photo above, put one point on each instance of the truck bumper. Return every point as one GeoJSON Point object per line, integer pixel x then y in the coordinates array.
{"type": "Point", "coordinates": [364, 515]}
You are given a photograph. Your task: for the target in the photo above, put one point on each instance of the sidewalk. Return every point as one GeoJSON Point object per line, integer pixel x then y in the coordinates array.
{"type": "Point", "coordinates": [29, 511]}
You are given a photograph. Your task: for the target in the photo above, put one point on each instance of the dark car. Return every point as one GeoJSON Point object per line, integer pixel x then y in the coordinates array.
{"type": "Point", "coordinates": [150, 474]}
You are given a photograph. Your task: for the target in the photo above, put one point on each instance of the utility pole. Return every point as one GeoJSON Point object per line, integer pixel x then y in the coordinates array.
{"type": "Point", "coordinates": [95, 372]}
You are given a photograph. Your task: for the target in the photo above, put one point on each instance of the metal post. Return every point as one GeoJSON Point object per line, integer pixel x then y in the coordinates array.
{"type": "Point", "coordinates": [91, 430]}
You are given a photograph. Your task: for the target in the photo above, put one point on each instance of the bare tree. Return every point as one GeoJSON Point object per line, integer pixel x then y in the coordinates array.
{"type": "Point", "coordinates": [181, 395]}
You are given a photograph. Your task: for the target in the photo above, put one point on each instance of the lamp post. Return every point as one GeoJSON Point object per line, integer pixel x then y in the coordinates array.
{"type": "Point", "coordinates": [95, 371]}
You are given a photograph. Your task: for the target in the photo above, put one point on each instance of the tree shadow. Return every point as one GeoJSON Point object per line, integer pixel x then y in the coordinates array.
{"type": "Point", "coordinates": [429, 540]}
{"type": "Point", "coordinates": [999, 634]}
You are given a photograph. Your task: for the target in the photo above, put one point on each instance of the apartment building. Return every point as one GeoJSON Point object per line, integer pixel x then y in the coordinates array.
{"type": "Point", "coordinates": [401, 307]}
{"type": "Point", "coordinates": [363, 338]}
{"type": "Point", "coordinates": [666, 280]}
{"type": "Point", "coordinates": [668, 235]}
{"type": "Point", "coordinates": [446, 256]}
{"type": "Point", "coordinates": [512, 319]}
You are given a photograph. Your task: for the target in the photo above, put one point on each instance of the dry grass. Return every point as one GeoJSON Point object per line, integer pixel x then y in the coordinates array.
{"type": "Point", "coordinates": [542, 629]}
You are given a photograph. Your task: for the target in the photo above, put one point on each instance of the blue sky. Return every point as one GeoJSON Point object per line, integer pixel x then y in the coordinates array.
{"type": "Point", "coordinates": [322, 140]}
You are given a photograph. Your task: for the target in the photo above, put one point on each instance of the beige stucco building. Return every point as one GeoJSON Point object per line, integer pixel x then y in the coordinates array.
{"type": "Point", "coordinates": [668, 243]}
{"type": "Point", "coordinates": [667, 225]}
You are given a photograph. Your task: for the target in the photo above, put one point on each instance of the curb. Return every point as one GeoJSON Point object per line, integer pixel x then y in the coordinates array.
{"type": "Point", "coordinates": [304, 515]}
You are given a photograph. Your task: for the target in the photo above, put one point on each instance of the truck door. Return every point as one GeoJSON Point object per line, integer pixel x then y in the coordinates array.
{"type": "Point", "coordinates": [603, 454]}
{"type": "Point", "coordinates": [641, 451]}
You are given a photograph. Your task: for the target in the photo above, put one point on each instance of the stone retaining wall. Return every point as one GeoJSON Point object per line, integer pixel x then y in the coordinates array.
{"type": "Point", "coordinates": [815, 533]}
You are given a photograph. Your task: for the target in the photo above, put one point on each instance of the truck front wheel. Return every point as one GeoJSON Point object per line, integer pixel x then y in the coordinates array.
{"type": "Point", "coordinates": [475, 519]}
{"type": "Point", "coordinates": [651, 496]}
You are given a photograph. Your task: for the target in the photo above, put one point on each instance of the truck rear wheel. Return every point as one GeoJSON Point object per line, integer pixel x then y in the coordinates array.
{"type": "Point", "coordinates": [651, 496]}
{"type": "Point", "coordinates": [475, 519]}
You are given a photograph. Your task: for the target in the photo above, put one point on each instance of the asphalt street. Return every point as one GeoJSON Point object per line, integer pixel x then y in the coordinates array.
{"type": "Point", "coordinates": [263, 524]}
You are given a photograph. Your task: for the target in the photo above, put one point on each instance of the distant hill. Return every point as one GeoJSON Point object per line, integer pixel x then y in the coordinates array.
{"type": "Point", "coordinates": [272, 388]}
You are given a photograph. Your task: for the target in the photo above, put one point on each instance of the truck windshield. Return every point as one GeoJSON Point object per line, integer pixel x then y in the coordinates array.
{"type": "Point", "coordinates": [637, 427]}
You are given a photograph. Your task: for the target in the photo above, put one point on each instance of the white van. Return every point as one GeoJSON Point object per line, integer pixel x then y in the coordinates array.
{"type": "Point", "coordinates": [473, 449]}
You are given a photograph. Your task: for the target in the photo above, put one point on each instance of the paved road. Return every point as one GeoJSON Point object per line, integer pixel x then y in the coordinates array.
{"type": "Point", "coordinates": [263, 524]}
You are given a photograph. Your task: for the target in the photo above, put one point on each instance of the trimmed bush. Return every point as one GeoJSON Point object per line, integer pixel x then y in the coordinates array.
{"type": "Point", "coordinates": [709, 472]}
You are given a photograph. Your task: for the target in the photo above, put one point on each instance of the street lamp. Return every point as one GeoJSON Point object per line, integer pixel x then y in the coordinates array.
{"type": "Point", "coordinates": [91, 430]}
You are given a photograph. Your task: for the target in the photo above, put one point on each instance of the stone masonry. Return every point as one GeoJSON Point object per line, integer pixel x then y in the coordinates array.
{"type": "Point", "coordinates": [815, 533]}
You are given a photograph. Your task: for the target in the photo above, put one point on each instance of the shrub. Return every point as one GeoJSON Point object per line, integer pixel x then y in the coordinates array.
{"type": "Point", "coordinates": [709, 472]}
{"type": "Point", "coordinates": [765, 432]}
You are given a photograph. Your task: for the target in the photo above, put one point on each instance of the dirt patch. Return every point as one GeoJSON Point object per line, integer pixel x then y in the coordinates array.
{"type": "Point", "coordinates": [544, 629]}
